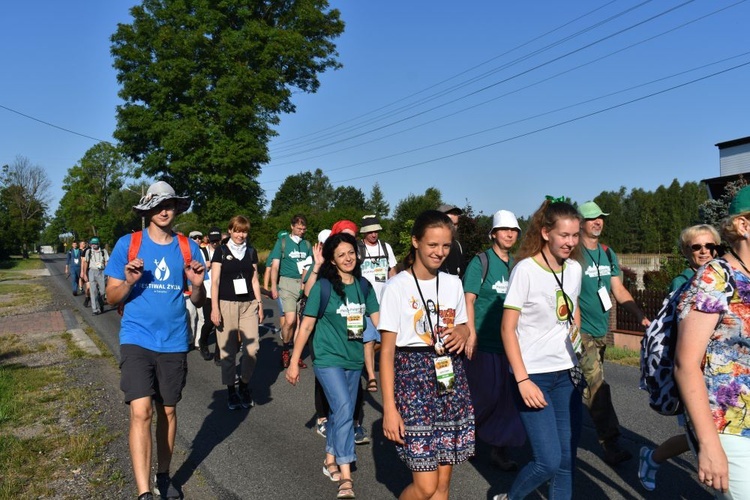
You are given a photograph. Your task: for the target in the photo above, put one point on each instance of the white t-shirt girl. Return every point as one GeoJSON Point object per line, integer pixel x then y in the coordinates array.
{"type": "Point", "coordinates": [402, 310]}
{"type": "Point", "coordinates": [543, 326]}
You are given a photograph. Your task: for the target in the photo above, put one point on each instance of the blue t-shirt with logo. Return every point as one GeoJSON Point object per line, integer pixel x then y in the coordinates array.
{"type": "Point", "coordinates": [155, 316]}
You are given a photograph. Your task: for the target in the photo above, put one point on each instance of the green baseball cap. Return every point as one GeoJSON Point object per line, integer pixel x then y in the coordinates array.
{"type": "Point", "coordinates": [94, 240]}
{"type": "Point", "coordinates": [591, 210]}
{"type": "Point", "coordinates": [741, 202]}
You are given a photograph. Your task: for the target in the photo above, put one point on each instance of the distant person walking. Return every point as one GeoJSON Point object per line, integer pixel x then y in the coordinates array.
{"type": "Point", "coordinates": [94, 262]}
{"type": "Point", "coordinates": [454, 262]}
{"type": "Point", "coordinates": [154, 330]}
{"type": "Point", "coordinates": [73, 266]}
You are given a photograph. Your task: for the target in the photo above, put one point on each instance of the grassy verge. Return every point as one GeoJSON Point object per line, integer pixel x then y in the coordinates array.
{"type": "Point", "coordinates": [15, 267]}
{"type": "Point", "coordinates": [623, 356]}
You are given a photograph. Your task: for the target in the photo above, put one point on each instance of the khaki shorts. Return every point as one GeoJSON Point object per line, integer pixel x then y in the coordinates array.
{"type": "Point", "coordinates": [289, 290]}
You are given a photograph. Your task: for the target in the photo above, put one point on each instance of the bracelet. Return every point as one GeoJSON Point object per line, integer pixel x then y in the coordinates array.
{"type": "Point", "coordinates": [314, 272]}
{"type": "Point", "coordinates": [524, 380]}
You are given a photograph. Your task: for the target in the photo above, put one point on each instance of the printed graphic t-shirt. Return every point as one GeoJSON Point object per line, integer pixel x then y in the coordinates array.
{"type": "Point", "coordinates": [488, 306]}
{"type": "Point", "coordinates": [376, 265]}
{"type": "Point", "coordinates": [294, 253]}
{"type": "Point", "coordinates": [155, 316]}
{"type": "Point", "coordinates": [331, 343]}
{"type": "Point", "coordinates": [594, 319]}
{"type": "Point", "coordinates": [542, 329]}
{"type": "Point", "coordinates": [402, 310]}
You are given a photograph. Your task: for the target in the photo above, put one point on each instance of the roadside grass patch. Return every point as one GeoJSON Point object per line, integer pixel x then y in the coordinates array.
{"type": "Point", "coordinates": [623, 356]}
{"type": "Point", "coordinates": [16, 263]}
{"type": "Point", "coordinates": [15, 295]}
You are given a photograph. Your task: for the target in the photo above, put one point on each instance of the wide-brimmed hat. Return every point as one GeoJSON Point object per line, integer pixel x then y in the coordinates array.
{"type": "Point", "coordinates": [158, 193]}
{"type": "Point", "coordinates": [370, 223]}
{"type": "Point", "coordinates": [450, 209]}
{"type": "Point", "coordinates": [591, 210]}
{"type": "Point", "coordinates": [504, 218]}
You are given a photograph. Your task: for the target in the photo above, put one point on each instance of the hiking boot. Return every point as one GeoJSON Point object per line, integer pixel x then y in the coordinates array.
{"type": "Point", "coordinates": [87, 302]}
{"type": "Point", "coordinates": [285, 357]}
{"type": "Point", "coordinates": [233, 400]}
{"type": "Point", "coordinates": [360, 435]}
{"type": "Point", "coordinates": [217, 357]}
{"type": "Point", "coordinates": [246, 397]}
{"type": "Point", "coordinates": [146, 496]}
{"type": "Point", "coordinates": [614, 455]}
{"type": "Point", "coordinates": [320, 427]}
{"type": "Point", "coordinates": [163, 486]}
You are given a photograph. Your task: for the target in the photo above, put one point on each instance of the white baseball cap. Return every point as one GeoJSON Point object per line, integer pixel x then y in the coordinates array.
{"type": "Point", "coordinates": [323, 235]}
{"type": "Point", "coordinates": [504, 218]}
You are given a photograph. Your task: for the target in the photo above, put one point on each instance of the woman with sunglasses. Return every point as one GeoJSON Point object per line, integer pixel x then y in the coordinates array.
{"type": "Point", "coordinates": [698, 245]}
{"type": "Point", "coordinates": [712, 358]}
{"type": "Point", "coordinates": [540, 336]}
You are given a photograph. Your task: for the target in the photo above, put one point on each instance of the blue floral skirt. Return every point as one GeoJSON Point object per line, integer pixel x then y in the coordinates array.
{"type": "Point", "coordinates": [439, 430]}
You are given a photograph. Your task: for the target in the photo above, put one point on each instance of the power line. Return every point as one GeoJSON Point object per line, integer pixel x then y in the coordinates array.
{"type": "Point", "coordinates": [687, 23]}
{"type": "Point", "coordinates": [536, 131]}
{"type": "Point", "coordinates": [53, 125]}
{"type": "Point", "coordinates": [505, 80]}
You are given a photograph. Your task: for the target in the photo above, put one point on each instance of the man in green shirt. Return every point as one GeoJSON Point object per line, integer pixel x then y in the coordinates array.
{"type": "Point", "coordinates": [601, 276]}
{"type": "Point", "coordinates": [290, 258]}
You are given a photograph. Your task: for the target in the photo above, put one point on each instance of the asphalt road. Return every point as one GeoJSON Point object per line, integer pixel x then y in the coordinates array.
{"type": "Point", "coordinates": [272, 451]}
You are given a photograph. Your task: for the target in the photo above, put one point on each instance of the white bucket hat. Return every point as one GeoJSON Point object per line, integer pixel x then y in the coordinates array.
{"type": "Point", "coordinates": [504, 218]}
{"type": "Point", "coordinates": [323, 235]}
{"type": "Point", "coordinates": [158, 193]}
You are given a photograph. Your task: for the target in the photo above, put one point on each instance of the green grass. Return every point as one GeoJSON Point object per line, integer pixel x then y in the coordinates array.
{"type": "Point", "coordinates": [16, 294]}
{"type": "Point", "coordinates": [623, 356]}
{"type": "Point", "coordinates": [16, 263]}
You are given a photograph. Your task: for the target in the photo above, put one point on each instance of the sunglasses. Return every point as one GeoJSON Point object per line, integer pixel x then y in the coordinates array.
{"type": "Point", "coordinates": [708, 246]}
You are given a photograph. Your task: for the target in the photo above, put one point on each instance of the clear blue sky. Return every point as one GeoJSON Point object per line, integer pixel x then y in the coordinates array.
{"type": "Point", "coordinates": [457, 96]}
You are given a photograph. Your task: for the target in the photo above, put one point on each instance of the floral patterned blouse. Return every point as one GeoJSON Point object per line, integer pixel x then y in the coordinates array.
{"type": "Point", "coordinates": [726, 366]}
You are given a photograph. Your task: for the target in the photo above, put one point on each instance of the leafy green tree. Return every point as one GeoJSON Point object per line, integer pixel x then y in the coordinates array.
{"type": "Point", "coordinates": [24, 197]}
{"type": "Point", "coordinates": [94, 202]}
{"type": "Point", "coordinates": [376, 203]}
{"type": "Point", "coordinates": [348, 196]}
{"type": "Point", "coordinates": [205, 82]}
{"type": "Point", "coordinates": [407, 211]}
{"type": "Point", "coordinates": [311, 191]}
{"type": "Point", "coordinates": [715, 210]}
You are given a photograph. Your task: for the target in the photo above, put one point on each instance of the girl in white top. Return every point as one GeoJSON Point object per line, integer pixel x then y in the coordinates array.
{"type": "Point", "coordinates": [539, 329]}
{"type": "Point", "coordinates": [427, 408]}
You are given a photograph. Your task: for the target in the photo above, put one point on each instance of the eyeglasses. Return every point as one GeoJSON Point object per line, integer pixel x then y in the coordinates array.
{"type": "Point", "coordinates": [708, 246]}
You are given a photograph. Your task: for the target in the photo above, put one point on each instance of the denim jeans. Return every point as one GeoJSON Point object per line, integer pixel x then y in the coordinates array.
{"type": "Point", "coordinates": [553, 433]}
{"type": "Point", "coordinates": [340, 387]}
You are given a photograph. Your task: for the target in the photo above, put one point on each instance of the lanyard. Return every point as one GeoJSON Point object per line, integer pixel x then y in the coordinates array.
{"type": "Point", "coordinates": [734, 254]}
{"type": "Point", "coordinates": [356, 289]}
{"type": "Point", "coordinates": [435, 338]}
{"type": "Point", "coordinates": [598, 260]}
{"type": "Point", "coordinates": [568, 302]}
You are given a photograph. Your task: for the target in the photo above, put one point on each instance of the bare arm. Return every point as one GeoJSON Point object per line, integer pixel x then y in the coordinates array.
{"type": "Point", "coordinates": [471, 344]}
{"type": "Point", "coordinates": [531, 394]}
{"type": "Point", "coordinates": [393, 424]}
{"type": "Point", "coordinates": [693, 335]}
{"type": "Point", "coordinates": [275, 279]}
{"type": "Point", "coordinates": [215, 280]}
{"type": "Point", "coordinates": [625, 299]}
{"type": "Point", "coordinates": [304, 331]}
{"type": "Point", "coordinates": [118, 290]}
{"type": "Point", "coordinates": [195, 272]}
{"type": "Point", "coordinates": [256, 291]}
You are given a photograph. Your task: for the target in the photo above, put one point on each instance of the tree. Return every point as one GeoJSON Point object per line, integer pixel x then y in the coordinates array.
{"type": "Point", "coordinates": [93, 203]}
{"type": "Point", "coordinates": [376, 203]}
{"type": "Point", "coordinates": [307, 190]}
{"type": "Point", "coordinates": [204, 82]}
{"type": "Point", "coordinates": [407, 211]}
{"type": "Point", "coordinates": [714, 211]}
{"type": "Point", "coordinates": [24, 198]}
{"type": "Point", "coordinates": [348, 196]}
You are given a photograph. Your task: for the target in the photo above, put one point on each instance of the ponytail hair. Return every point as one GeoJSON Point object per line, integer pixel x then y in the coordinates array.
{"type": "Point", "coordinates": [546, 217]}
{"type": "Point", "coordinates": [424, 221]}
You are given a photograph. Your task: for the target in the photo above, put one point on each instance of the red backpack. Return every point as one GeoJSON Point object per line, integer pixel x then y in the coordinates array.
{"type": "Point", "coordinates": [135, 246]}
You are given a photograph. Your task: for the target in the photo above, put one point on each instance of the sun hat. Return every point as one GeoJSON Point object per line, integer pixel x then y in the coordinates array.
{"type": "Point", "coordinates": [741, 202]}
{"type": "Point", "coordinates": [591, 210]}
{"type": "Point", "coordinates": [214, 234]}
{"type": "Point", "coordinates": [448, 209]}
{"type": "Point", "coordinates": [370, 223]}
{"type": "Point", "coordinates": [504, 218]}
{"type": "Point", "coordinates": [158, 193]}
{"type": "Point", "coordinates": [341, 225]}
{"type": "Point", "coordinates": [323, 235]}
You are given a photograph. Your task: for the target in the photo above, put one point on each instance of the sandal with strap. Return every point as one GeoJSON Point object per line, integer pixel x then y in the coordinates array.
{"type": "Point", "coordinates": [332, 472]}
{"type": "Point", "coordinates": [345, 489]}
{"type": "Point", "coordinates": [372, 385]}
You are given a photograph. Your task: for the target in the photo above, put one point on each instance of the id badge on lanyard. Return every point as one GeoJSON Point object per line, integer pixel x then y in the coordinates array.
{"type": "Point", "coordinates": [445, 375]}
{"type": "Point", "coordinates": [355, 321]}
{"type": "Point", "coordinates": [604, 298]}
{"type": "Point", "coordinates": [574, 334]}
{"type": "Point", "coordinates": [240, 286]}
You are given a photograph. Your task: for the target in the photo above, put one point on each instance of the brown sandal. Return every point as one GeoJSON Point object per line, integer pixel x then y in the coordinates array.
{"type": "Point", "coordinates": [332, 471]}
{"type": "Point", "coordinates": [372, 385]}
{"type": "Point", "coordinates": [345, 489]}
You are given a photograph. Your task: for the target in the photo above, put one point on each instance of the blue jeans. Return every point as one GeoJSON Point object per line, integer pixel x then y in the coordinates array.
{"type": "Point", "coordinates": [553, 433]}
{"type": "Point", "coordinates": [75, 273]}
{"type": "Point", "coordinates": [340, 387]}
